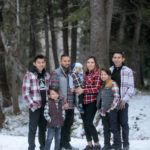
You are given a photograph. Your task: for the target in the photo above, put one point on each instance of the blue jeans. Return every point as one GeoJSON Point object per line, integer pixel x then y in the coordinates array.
{"type": "Point", "coordinates": [53, 132]}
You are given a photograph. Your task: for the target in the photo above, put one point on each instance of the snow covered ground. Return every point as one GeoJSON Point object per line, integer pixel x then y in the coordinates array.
{"type": "Point", "coordinates": [14, 134]}
{"type": "Point", "coordinates": [20, 143]}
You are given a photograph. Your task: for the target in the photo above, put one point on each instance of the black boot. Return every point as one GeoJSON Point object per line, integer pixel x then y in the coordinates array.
{"type": "Point", "coordinates": [106, 147]}
{"type": "Point", "coordinates": [88, 147]}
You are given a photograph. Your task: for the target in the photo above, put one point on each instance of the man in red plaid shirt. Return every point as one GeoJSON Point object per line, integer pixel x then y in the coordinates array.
{"type": "Point", "coordinates": [34, 90]}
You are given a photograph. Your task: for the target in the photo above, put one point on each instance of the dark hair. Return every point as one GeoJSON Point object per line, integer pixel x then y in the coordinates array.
{"type": "Point", "coordinates": [64, 55]}
{"type": "Point", "coordinates": [54, 89]}
{"type": "Point", "coordinates": [38, 57]}
{"type": "Point", "coordinates": [107, 71]}
{"type": "Point", "coordinates": [96, 64]}
{"type": "Point", "coordinates": [118, 52]}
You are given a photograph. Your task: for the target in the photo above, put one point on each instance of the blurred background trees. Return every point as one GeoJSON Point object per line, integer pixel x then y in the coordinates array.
{"type": "Point", "coordinates": [79, 28]}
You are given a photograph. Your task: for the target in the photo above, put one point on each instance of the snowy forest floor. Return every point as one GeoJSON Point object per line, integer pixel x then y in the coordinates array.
{"type": "Point", "coordinates": [14, 134]}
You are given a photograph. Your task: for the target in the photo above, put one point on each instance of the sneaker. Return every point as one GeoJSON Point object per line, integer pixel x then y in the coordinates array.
{"type": "Point", "coordinates": [97, 147]}
{"type": "Point", "coordinates": [80, 108]}
{"type": "Point", "coordinates": [89, 147]}
{"type": "Point", "coordinates": [106, 147]}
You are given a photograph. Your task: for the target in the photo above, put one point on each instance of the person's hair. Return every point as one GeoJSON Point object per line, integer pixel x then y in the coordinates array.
{"type": "Point", "coordinates": [53, 89]}
{"type": "Point", "coordinates": [64, 55]}
{"type": "Point", "coordinates": [106, 71]}
{"type": "Point", "coordinates": [38, 57]}
{"type": "Point", "coordinates": [96, 64]}
{"type": "Point", "coordinates": [118, 52]}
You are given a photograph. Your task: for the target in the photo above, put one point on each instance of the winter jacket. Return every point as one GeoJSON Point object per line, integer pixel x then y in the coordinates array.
{"type": "Point", "coordinates": [108, 97]}
{"type": "Point", "coordinates": [60, 80]}
{"type": "Point", "coordinates": [76, 80]}
{"type": "Point", "coordinates": [53, 113]}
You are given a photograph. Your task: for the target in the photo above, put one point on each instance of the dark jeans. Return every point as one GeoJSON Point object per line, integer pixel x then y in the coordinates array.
{"type": "Point", "coordinates": [66, 128]}
{"type": "Point", "coordinates": [81, 98]}
{"type": "Point", "coordinates": [110, 124]}
{"type": "Point", "coordinates": [88, 117]}
{"type": "Point", "coordinates": [123, 124]}
{"type": "Point", "coordinates": [36, 119]}
{"type": "Point", "coordinates": [53, 132]}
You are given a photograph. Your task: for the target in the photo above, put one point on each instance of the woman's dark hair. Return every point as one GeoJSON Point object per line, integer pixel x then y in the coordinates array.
{"type": "Point", "coordinates": [96, 64]}
{"type": "Point", "coordinates": [54, 89]}
{"type": "Point", "coordinates": [38, 57]}
{"type": "Point", "coordinates": [107, 71]}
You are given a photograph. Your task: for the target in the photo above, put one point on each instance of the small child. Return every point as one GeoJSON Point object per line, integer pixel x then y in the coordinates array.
{"type": "Point", "coordinates": [76, 81]}
{"type": "Point", "coordinates": [107, 102]}
{"type": "Point", "coordinates": [53, 113]}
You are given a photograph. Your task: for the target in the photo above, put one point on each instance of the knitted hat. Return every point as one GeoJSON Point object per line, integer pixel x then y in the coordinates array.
{"type": "Point", "coordinates": [79, 65]}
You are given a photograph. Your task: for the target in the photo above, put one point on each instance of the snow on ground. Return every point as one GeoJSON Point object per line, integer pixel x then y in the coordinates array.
{"type": "Point", "coordinates": [20, 143]}
{"type": "Point", "coordinates": [14, 134]}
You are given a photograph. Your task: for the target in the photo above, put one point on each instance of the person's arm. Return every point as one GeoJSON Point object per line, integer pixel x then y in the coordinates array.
{"type": "Point", "coordinates": [46, 113]}
{"type": "Point", "coordinates": [26, 87]}
{"type": "Point", "coordinates": [130, 91]}
{"type": "Point", "coordinates": [95, 87]}
{"type": "Point", "coordinates": [54, 81]}
{"type": "Point", "coordinates": [71, 82]}
{"type": "Point", "coordinates": [98, 100]}
{"type": "Point", "coordinates": [115, 90]}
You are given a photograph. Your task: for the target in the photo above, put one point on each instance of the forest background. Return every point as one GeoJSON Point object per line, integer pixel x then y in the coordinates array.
{"type": "Point", "coordinates": [79, 28]}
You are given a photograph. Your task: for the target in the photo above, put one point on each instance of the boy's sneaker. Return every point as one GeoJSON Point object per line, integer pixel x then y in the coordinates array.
{"type": "Point", "coordinates": [80, 108]}
{"type": "Point", "coordinates": [88, 147]}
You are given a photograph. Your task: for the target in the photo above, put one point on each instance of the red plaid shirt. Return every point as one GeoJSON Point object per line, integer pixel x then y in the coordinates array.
{"type": "Point", "coordinates": [91, 86]}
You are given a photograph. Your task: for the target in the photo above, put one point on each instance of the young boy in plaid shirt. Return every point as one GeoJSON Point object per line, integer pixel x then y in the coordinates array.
{"type": "Point", "coordinates": [53, 113]}
{"type": "Point", "coordinates": [34, 90]}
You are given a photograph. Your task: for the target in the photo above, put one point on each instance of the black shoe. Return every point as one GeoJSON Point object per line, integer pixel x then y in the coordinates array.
{"type": "Point", "coordinates": [106, 147]}
{"type": "Point", "coordinates": [97, 147]}
{"type": "Point", "coordinates": [66, 146]}
{"type": "Point", "coordinates": [125, 147]}
{"type": "Point", "coordinates": [115, 147]}
{"type": "Point", "coordinates": [89, 147]}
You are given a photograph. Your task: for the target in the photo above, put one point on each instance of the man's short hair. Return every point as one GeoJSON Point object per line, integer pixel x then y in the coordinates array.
{"type": "Point", "coordinates": [64, 55]}
{"type": "Point", "coordinates": [118, 52]}
{"type": "Point", "coordinates": [40, 56]}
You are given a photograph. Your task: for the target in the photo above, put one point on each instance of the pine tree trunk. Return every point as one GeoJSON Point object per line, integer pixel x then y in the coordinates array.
{"type": "Point", "coordinates": [46, 34]}
{"type": "Point", "coordinates": [33, 48]}
{"type": "Point", "coordinates": [16, 108]}
{"type": "Point", "coordinates": [101, 15]}
{"type": "Point", "coordinates": [2, 118]}
{"type": "Point", "coordinates": [53, 35]}
{"type": "Point", "coordinates": [3, 75]}
{"type": "Point", "coordinates": [136, 55]}
{"type": "Point", "coordinates": [74, 34]}
{"type": "Point", "coordinates": [64, 6]}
